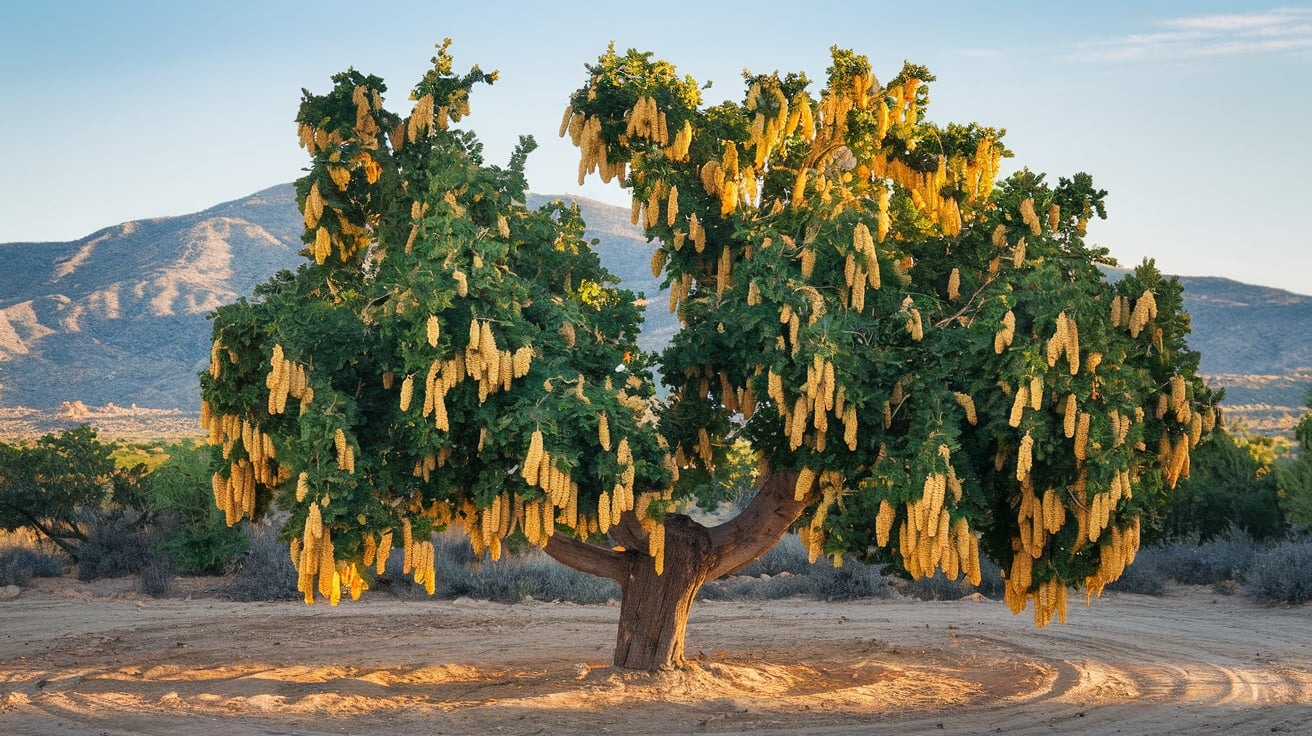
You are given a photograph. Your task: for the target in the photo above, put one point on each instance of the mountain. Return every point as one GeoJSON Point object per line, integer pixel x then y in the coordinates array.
{"type": "Point", "coordinates": [118, 317]}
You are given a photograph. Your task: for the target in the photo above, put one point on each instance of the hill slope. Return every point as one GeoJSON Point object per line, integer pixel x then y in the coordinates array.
{"type": "Point", "coordinates": [119, 316]}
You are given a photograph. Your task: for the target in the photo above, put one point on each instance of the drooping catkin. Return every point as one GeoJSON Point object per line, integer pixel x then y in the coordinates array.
{"type": "Point", "coordinates": [407, 392]}
{"type": "Point", "coordinates": [1069, 416]}
{"type": "Point", "coordinates": [1018, 404]}
{"type": "Point", "coordinates": [1082, 436]}
{"type": "Point", "coordinates": [1024, 457]}
{"type": "Point", "coordinates": [967, 404]}
{"type": "Point", "coordinates": [805, 481]}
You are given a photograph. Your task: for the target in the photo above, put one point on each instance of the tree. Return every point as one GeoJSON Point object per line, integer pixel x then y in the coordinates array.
{"type": "Point", "coordinates": [928, 363]}
{"type": "Point", "coordinates": [52, 486]}
{"type": "Point", "coordinates": [1232, 485]}
{"type": "Point", "coordinates": [1294, 476]}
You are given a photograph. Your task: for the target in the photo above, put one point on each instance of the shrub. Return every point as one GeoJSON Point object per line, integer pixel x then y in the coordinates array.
{"type": "Point", "coordinates": [938, 588]}
{"type": "Point", "coordinates": [156, 575]}
{"type": "Point", "coordinates": [821, 580]}
{"type": "Point", "coordinates": [114, 547]}
{"type": "Point", "coordinates": [1143, 577]}
{"type": "Point", "coordinates": [192, 530]}
{"type": "Point", "coordinates": [265, 572]}
{"type": "Point", "coordinates": [1223, 558]}
{"type": "Point", "coordinates": [20, 564]}
{"type": "Point", "coordinates": [787, 556]}
{"type": "Point", "coordinates": [1282, 574]}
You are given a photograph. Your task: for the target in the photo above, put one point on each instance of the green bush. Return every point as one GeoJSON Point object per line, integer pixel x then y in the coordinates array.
{"type": "Point", "coordinates": [1143, 577]}
{"type": "Point", "coordinates": [1224, 558]}
{"type": "Point", "coordinates": [1231, 484]}
{"type": "Point", "coordinates": [191, 528]}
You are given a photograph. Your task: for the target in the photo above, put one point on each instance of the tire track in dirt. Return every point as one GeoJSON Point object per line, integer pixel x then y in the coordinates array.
{"type": "Point", "coordinates": [1186, 664]}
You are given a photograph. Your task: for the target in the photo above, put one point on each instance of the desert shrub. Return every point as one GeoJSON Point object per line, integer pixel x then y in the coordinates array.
{"type": "Point", "coordinates": [534, 574]}
{"type": "Point", "coordinates": [115, 547]}
{"type": "Point", "coordinates": [787, 556]}
{"type": "Point", "coordinates": [1223, 558]}
{"type": "Point", "coordinates": [20, 564]}
{"type": "Point", "coordinates": [763, 587]}
{"type": "Point", "coordinates": [851, 581]}
{"type": "Point", "coordinates": [156, 576]}
{"type": "Point", "coordinates": [1281, 574]}
{"type": "Point", "coordinates": [822, 581]}
{"type": "Point", "coordinates": [265, 572]}
{"type": "Point", "coordinates": [1144, 576]}
{"type": "Point", "coordinates": [938, 587]}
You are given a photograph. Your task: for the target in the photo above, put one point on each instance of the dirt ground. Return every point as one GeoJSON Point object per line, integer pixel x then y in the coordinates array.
{"type": "Point", "coordinates": [99, 659]}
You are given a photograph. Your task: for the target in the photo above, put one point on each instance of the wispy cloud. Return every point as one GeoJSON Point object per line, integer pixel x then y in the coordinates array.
{"type": "Point", "coordinates": [1275, 31]}
{"type": "Point", "coordinates": [978, 53]}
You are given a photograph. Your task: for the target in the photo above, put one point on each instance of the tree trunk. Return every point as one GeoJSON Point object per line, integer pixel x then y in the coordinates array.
{"type": "Point", "coordinates": [654, 608]}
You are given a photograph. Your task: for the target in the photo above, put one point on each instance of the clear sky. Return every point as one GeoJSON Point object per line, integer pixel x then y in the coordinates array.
{"type": "Point", "coordinates": [1193, 115]}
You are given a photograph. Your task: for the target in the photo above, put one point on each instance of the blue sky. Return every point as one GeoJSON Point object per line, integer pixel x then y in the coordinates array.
{"type": "Point", "coordinates": [1191, 114]}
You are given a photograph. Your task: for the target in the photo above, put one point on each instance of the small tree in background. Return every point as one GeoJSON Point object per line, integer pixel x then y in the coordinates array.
{"type": "Point", "coordinates": [56, 485]}
{"type": "Point", "coordinates": [1295, 476]}
{"type": "Point", "coordinates": [927, 362]}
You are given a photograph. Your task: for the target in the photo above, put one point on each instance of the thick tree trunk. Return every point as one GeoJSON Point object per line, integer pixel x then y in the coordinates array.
{"type": "Point", "coordinates": [654, 608]}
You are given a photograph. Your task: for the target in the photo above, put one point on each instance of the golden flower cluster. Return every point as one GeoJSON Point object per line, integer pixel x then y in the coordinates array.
{"type": "Point", "coordinates": [1028, 216]}
{"type": "Point", "coordinates": [314, 205]}
{"type": "Point", "coordinates": [286, 379]}
{"type": "Point", "coordinates": [930, 541]}
{"type": "Point", "coordinates": [1065, 341]}
{"type": "Point", "coordinates": [345, 451]}
{"type": "Point", "coordinates": [1025, 457]}
{"type": "Point", "coordinates": [1174, 457]}
{"type": "Point", "coordinates": [1114, 556]}
{"type": "Point", "coordinates": [967, 404]}
{"type": "Point", "coordinates": [1002, 339]}
{"type": "Point", "coordinates": [1145, 311]}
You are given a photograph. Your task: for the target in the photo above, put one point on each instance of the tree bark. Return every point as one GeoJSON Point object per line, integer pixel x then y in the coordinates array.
{"type": "Point", "coordinates": [654, 608]}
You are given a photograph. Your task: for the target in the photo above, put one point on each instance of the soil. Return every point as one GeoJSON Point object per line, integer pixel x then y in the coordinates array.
{"type": "Point", "coordinates": [97, 658]}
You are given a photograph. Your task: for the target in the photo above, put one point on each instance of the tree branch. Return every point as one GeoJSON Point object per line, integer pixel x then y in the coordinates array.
{"type": "Point", "coordinates": [587, 558]}
{"type": "Point", "coordinates": [742, 539]}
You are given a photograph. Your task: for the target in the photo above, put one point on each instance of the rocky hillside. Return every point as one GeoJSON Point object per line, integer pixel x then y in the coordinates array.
{"type": "Point", "coordinates": [118, 317]}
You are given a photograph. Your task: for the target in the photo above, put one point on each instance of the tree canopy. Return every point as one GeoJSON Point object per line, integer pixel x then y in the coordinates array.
{"type": "Point", "coordinates": [927, 360]}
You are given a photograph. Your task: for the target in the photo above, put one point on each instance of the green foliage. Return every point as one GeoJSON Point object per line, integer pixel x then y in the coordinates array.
{"type": "Point", "coordinates": [421, 232]}
{"type": "Point", "coordinates": [864, 269]}
{"type": "Point", "coordinates": [860, 301]}
{"type": "Point", "coordinates": [1294, 476]}
{"type": "Point", "coordinates": [54, 485]}
{"type": "Point", "coordinates": [192, 531]}
{"type": "Point", "coordinates": [1231, 484]}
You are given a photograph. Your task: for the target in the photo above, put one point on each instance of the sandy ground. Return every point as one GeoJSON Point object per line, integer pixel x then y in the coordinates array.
{"type": "Point", "coordinates": [98, 659]}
